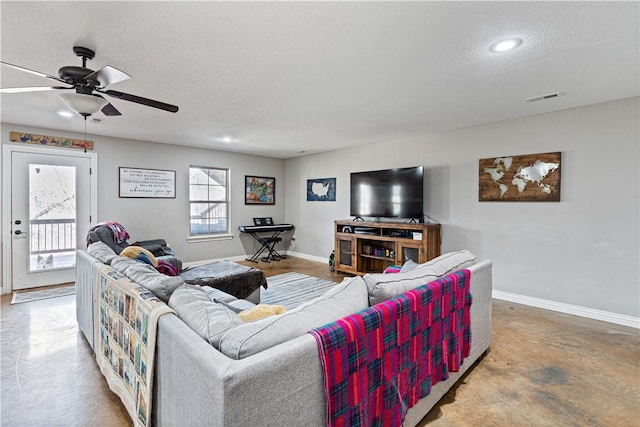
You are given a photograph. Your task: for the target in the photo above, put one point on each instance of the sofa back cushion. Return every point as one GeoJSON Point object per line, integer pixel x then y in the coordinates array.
{"type": "Point", "coordinates": [255, 336]}
{"type": "Point", "coordinates": [145, 275]}
{"type": "Point", "coordinates": [102, 252]}
{"type": "Point", "coordinates": [208, 319]}
{"type": "Point", "coordinates": [382, 287]}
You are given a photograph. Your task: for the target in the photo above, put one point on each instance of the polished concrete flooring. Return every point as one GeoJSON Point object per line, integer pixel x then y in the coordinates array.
{"type": "Point", "coordinates": [543, 369]}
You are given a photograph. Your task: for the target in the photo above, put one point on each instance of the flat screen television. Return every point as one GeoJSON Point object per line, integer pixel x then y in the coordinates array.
{"type": "Point", "coordinates": [389, 193]}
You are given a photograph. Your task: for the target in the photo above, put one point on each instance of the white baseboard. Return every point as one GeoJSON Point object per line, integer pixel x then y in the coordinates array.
{"type": "Point", "coordinates": [605, 316]}
{"type": "Point", "coordinates": [310, 257]}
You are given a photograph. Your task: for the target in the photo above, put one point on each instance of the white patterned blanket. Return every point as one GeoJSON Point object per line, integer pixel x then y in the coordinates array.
{"type": "Point", "coordinates": [125, 337]}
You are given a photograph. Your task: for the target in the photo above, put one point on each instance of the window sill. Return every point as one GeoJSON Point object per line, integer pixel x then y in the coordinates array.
{"type": "Point", "coordinates": [209, 238]}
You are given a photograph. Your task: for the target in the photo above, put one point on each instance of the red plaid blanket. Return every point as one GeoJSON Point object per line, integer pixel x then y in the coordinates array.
{"type": "Point", "coordinates": [380, 361]}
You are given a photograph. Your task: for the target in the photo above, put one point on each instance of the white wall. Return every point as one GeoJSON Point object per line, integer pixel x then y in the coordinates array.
{"type": "Point", "coordinates": [583, 251]}
{"type": "Point", "coordinates": [169, 218]}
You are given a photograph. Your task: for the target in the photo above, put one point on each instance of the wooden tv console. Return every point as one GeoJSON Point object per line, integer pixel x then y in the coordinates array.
{"type": "Point", "coordinates": [369, 247]}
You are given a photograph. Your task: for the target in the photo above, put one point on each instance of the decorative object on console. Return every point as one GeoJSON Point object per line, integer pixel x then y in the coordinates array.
{"type": "Point", "coordinates": [259, 190]}
{"type": "Point", "coordinates": [525, 178]}
{"type": "Point", "coordinates": [321, 190]}
{"type": "Point", "coordinates": [147, 183]}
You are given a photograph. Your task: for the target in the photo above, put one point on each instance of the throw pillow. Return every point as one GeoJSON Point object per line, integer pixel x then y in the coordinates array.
{"type": "Point", "coordinates": [208, 319]}
{"type": "Point", "coordinates": [408, 266]}
{"type": "Point", "coordinates": [167, 268]}
{"type": "Point", "coordinates": [260, 311]}
{"type": "Point", "coordinates": [102, 252]}
{"type": "Point", "coordinates": [382, 287]}
{"type": "Point", "coordinates": [133, 251]}
{"type": "Point", "coordinates": [253, 337]}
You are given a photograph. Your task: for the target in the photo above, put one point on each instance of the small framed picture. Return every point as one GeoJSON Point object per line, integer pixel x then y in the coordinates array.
{"type": "Point", "coordinates": [321, 190]}
{"type": "Point", "coordinates": [259, 190]}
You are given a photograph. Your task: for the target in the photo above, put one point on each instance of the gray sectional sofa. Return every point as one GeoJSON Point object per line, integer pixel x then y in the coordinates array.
{"type": "Point", "coordinates": [213, 370]}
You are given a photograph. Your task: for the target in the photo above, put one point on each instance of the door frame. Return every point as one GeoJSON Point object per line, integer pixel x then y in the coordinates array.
{"type": "Point", "coordinates": [7, 154]}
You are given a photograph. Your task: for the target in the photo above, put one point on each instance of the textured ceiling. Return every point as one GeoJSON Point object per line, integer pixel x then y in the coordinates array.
{"type": "Point", "coordinates": [280, 78]}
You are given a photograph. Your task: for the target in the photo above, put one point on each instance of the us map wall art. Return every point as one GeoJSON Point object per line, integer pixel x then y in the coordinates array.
{"type": "Point", "coordinates": [321, 190]}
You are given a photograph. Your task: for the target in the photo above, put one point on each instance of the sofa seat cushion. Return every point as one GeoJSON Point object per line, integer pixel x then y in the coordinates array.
{"type": "Point", "coordinates": [208, 319]}
{"type": "Point", "coordinates": [102, 252]}
{"type": "Point", "coordinates": [160, 285]}
{"type": "Point", "coordinates": [255, 336]}
{"type": "Point", "coordinates": [382, 287]}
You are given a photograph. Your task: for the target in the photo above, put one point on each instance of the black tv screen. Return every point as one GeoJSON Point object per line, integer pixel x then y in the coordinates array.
{"type": "Point", "coordinates": [389, 193]}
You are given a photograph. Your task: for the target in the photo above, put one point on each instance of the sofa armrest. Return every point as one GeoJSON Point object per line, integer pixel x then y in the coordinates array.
{"type": "Point", "coordinates": [188, 389]}
{"type": "Point", "coordinates": [197, 385]}
{"type": "Point", "coordinates": [151, 242]}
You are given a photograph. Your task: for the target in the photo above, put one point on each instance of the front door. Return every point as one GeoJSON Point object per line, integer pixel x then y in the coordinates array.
{"type": "Point", "coordinates": [50, 213]}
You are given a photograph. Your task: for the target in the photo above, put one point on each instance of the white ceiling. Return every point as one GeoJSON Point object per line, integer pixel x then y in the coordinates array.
{"type": "Point", "coordinates": [281, 78]}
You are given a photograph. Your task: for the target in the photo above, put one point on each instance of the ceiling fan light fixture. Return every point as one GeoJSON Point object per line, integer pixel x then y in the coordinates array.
{"type": "Point", "coordinates": [505, 45]}
{"type": "Point", "coordinates": [85, 105]}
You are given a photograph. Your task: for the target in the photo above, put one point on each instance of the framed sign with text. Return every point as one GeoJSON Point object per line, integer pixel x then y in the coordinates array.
{"type": "Point", "coordinates": [147, 183]}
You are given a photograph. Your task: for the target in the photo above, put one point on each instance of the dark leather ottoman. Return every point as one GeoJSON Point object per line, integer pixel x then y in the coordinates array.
{"type": "Point", "coordinates": [235, 279]}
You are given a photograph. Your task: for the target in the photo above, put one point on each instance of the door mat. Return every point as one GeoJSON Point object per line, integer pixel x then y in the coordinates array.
{"type": "Point", "coordinates": [292, 289]}
{"type": "Point", "coordinates": [43, 293]}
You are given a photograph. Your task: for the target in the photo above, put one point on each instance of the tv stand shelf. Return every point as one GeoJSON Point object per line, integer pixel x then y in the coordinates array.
{"type": "Point", "coordinates": [365, 247]}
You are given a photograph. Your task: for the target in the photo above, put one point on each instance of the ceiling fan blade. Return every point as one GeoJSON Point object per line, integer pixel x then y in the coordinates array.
{"type": "Point", "coordinates": [108, 75]}
{"type": "Point", "coordinates": [31, 89]}
{"type": "Point", "coordinates": [110, 110]}
{"type": "Point", "coordinates": [27, 70]}
{"type": "Point", "coordinates": [140, 100]}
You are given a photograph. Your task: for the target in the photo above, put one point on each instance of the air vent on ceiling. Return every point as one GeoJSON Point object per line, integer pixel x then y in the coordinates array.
{"type": "Point", "coordinates": [543, 97]}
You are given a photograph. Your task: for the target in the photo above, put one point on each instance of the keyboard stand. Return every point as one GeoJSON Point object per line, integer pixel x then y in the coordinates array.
{"type": "Point", "coordinates": [267, 244]}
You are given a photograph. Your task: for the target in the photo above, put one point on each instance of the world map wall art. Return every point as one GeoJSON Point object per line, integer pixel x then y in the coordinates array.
{"type": "Point", "coordinates": [525, 178]}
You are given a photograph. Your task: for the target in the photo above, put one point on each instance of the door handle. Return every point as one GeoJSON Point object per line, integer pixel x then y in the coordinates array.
{"type": "Point", "coordinates": [18, 232]}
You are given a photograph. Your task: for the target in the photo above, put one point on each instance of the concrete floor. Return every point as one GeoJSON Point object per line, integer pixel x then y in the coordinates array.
{"type": "Point", "coordinates": [543, 369]}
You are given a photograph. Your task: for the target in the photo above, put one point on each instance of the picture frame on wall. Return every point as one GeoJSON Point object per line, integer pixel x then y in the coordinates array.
{"type": "Point", "coordinates": [259, 190]}
{"type": "Point", "coordinates": [140, 183]}
{"type": "Point", "coordinates": [321, 190]}
{"type": "Point", "coordinates": [521, 178]}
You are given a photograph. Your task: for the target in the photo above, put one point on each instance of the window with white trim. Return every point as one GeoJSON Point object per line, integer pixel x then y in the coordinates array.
{"type": "Point", "coordinates": [208, 201]}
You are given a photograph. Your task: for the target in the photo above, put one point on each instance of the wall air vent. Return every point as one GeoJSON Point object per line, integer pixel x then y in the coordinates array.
{"type": "Point", "coordinates": [543, 97]}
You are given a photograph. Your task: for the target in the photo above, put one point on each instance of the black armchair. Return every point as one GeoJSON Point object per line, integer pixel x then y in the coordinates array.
{"type": "Point", "coordinates": [158, 247]}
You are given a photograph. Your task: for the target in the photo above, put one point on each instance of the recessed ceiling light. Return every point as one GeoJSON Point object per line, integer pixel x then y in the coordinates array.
{"type": "Point", "coordinates": [65, 113]}
{"type": "Point", "coordinates": [505, 45]}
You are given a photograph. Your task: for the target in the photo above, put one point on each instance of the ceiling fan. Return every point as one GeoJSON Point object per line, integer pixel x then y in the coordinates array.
{"type": "Point", "coordinates": [88, 85]}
